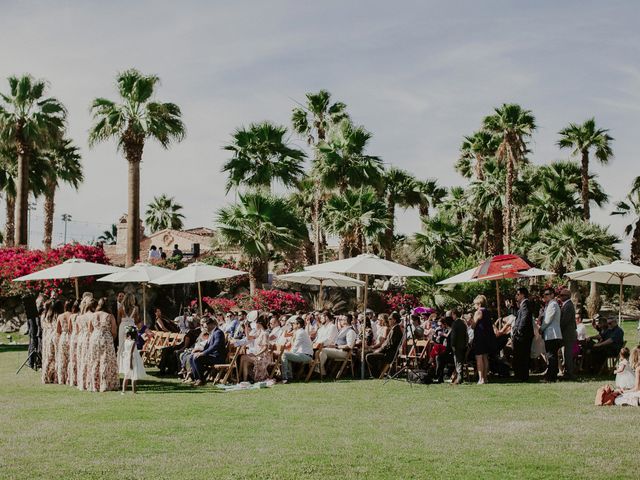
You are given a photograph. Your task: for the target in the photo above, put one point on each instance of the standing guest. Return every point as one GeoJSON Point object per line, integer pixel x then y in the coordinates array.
{"type": "Point", "coordinates": [163, 255]}
{"type": "Point", "coordinates": [53, 308]}
{"type": "Point", "coordinates": [103, 363]}
{"type": "Point", "coordinates": [459, 343]}
{"type": "Point", "coordinates": [344, 343]}
{"type": "Point", "coordinates": [443, 358]}
{"type": "Point", "coordinates": [387, 351]}
{"type": "Point", "coordinates": [259, 355]}
{"type": "Point", "coordinates": [552, 333]}
{"type": "Point", "coordinates": [129, 318]}
{"type": "Point", "coordinates": [301, 349]}
{"type": "Point", "coordinates": [62, 348]}
{"type": "Point", "coordinates": [214, 352]}
{"type": "Point", "coordinates": [522, 335]}
{"type": "Point", "coordinates": [484, 338]}
{"type": "Point", "coordinates": [176, 251]}
{"type": "Point", "coordinates": [35, 332]}
{"type": "Point", "coordinates": [72, 369]}
{"type": "Point", "coordinates": [154, 254]}
{"type": "Point", "coordinates": [569, 332]}
{"type": "Point", "coordinates": [133, 366]}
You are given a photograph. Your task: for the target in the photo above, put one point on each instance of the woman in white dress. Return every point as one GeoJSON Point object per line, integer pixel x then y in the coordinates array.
{"type": "Point", "coordinates": [632, 396]}
{"type": "Point", "coordinates": [129, 319]}
{"type": "Point", "coordinates": [132, 365]}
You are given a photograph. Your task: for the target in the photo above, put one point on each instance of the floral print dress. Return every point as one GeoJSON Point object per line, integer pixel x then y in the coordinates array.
{"type": "Point", "coordinates": [62, 348]}
{"type": "Point", "coordinates": [103, 364]}
{"type": "Point", "coordinates": [82, 350]}
{"type": "Point", "coordinates": [72, 370]}
{"type": "Point", "coordinates": [49, 337]}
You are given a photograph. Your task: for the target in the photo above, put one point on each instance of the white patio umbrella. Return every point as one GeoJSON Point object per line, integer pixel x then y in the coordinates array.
{"type": "Point", "coordinates": [73, 268]}
{"type": "Point", "coordinates": [367, 264]}
{"type": "Point", "coordinates": [328, 279]}
{"type": "Point", "coordinates": [141, 273]}
{"type": "Point", "coordinates": [619, 272]}
{"type": "Point", "coordinates": [198, 272]}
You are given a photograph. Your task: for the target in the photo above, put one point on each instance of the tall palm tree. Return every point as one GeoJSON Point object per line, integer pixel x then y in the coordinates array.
{"type": "Point", "coordinates": [574, 245]}
{"type": "Point", "coordinates": [343, 161]}
{"type": "Point", "coordinates": [430, 195]}
{"type": "Point", "coordinates": [28, 121]}
{"type": "Point", "coordinates": [582, 139]}
{"type": "Point", "coordinates": [259, 226]}
{"type": "Point", "coordinates": [163, 212]}
{"type": "Point", "coordinates": [514, 126]}
{"type": "Point", "coordinates": [312, 121]}
{"type": "Point", "coordinates": [474, 151]}
{"type": "Point", "coordinates": [630, 207]}
{"type": "Point", "coordinates": [261, 155]}
{"type": "Point", "coordinates": [440, 241]}
{"type": "Point", "coordinates": [131, 122]}
{"type": "Point", "coordinates": [486, 201]}
{"type": "Point", "coordinates": [62, 164]}
{"type": "Point", "coordinates": [109, 237]}
{"type": "Point", "coordinates": [400, 189]}
{"type": "Point", "coordinates": [358, 217]}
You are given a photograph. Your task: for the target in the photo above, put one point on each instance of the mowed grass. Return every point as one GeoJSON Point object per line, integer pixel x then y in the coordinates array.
{"type": "Point", "coordinates": [347, 429]}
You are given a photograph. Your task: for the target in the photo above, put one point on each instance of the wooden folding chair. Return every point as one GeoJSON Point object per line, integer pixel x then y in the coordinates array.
{"type": "Point", "coordinates": [313, 364]}
{"type": "Point", "coordinates": [347, 361]}
{"type": "Point", "coordinates": [148, 349]}
{"type": "Point", "coordinates": [225, 370]}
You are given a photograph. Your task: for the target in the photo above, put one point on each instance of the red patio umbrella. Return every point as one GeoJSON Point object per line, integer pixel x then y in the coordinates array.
{"type": "Point", "coordinates": [499, 267]}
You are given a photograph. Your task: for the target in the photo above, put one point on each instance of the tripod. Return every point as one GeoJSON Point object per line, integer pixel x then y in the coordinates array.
{"type": "Point", "coordinates": [37, 361]}
{"type": "Point", "coordinates": [405, 368]}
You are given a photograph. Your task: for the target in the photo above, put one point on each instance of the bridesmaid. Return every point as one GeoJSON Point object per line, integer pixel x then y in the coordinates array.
{"type": "Point", "coordinates": [82, 347]}
{"type": "Point", "coordinates": [62, 345]}
{"type": "Point", "coordinates": [103, 365]}
{"type": "Point", "coordinates": [72, 370]}
{"type": "Point", "coordinates": [49, 341]}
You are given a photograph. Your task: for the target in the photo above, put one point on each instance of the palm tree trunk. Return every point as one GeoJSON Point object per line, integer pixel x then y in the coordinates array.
{"type": "Point", "coordinates": [594, 302]}
{"type": "Point", "coordinates": [10, 225]}
{"type": "Point", "coordinates": [508, 201]}
{"type": "Point", "coordinates": [635, 244]}
{"type": "Point", "coordinates": [316, 220]}
{"type": "Point", "coordinates": [388, 233]}
{"type": "Point", "coordinates": [49, 207]}
{"type": "Point", "coordinates": [22, 197]}
{"type": "Point", "coordinates": [133, 216]}
{"type": "Point", "coordinates": [497, 245]}
{"type": "Point", "coordinates": [586, 213]}
{"type": "Point", "coordinates": [258, 272]}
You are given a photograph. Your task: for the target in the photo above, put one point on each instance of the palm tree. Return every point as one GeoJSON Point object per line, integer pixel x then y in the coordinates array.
{"type": "Point", "coordinates": [574, 245]}
{"type": "Point", "coordinates": [474, 151]}
{"type": "Point", "coordinates": [28, 121]}
{"type": "Point", "coordinates": [259, 226]}
{"type": "Point", "coordinates": [631, 207]}
{"type": "Point", "coordinates": [343, 162]}
{"type": "Point", "coordinates": [440, 241]}
{"type": "Point", "coordinates": [261, 156]}
{"type": "Point", "coordinates": [358, 216]}
{"type": "Point", "coordinates": [486, 201]}
{"type": "Point", "coordinates": [163, 212]}
{"type": "Point", "coordinates": [312, 121]}
{"type": "Point", "coordinates": [133, 121]}
{"type": "Point", "coordinates": [109, 237]}
{"type": "Point", "coordinates": [430, 195]}
{"type": "Point", "coordinates": [582, 138]}
{"type": "Point", "coordinates": [514, 126]}
{"type": "Point", "coordinates": [62, 164]}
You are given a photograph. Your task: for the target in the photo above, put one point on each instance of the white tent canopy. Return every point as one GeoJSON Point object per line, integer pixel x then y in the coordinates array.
{"type": "Point", "coordinates": [619, 272]}
{"type": "Point", "coordinates": [73, 268]}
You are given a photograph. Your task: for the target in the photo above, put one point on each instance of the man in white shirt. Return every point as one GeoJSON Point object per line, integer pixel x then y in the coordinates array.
{"type": "Point", "coordinates": [344, 342]}
{"type": "Point", "coordinates": [276, 333]}
{"type": "Point", "coordinates": [327, 331]}
{"type": "Point", "coordinates": [581, 330]}
{"type": "Point", "coordinates": [154, 254]}
{"type": "Point", "coordinates": [301, 350]}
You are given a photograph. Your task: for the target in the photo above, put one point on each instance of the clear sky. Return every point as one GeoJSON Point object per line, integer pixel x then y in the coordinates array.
{"type": "Point", "coordinates": [418, 74]}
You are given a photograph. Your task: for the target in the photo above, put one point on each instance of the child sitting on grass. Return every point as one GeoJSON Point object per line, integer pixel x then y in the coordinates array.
{"type": "Point", "coordinates": [625, 375]}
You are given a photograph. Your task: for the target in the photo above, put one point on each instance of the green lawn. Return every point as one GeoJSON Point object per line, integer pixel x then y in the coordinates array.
{"type": "Point", "coordinates": [330, 430]}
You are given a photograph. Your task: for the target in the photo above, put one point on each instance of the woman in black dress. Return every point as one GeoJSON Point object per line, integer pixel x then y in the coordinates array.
{"type": "Point", "coordinates": [483, 338]}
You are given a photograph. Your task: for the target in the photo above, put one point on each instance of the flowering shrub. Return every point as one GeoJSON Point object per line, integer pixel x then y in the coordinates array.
{"type": "Point", "coordinates": [233, 283]}
{"type": "Point", "coordinates": [16, 262]}
{"type": "Point", "coordinates": [277, 300]}
{"type": "Point", "coordinates": [220, 305]}
{"type": "Point", "coordinates": [399, 301]}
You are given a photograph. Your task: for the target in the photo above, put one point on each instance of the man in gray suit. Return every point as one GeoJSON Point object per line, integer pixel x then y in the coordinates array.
{"type": "Point", "coordinates": [550, 331]}
{"type": "Point", "coordinates": [569, 333]}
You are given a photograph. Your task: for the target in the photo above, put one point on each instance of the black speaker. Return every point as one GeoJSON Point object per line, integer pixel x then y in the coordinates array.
{"type": "Point", "coordinates": [195, 249]}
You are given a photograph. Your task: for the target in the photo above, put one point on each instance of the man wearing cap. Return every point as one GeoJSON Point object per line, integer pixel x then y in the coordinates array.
{"type": "Point", "coordinates": [569, 332]}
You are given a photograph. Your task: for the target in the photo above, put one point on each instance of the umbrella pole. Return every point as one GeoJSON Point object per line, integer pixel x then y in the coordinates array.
{"type": "Point", "coordinates": [77, 288]}
{"type": "Point", "coordinates": [144, 302]}
{"type": "Point", "coordinates": [200, 298]}
{"type": "Point", "coordinates": [364, 324]}
{"type": "Point", "coordinates": [498, 299]}
{"type": "Point", "coordinates": [320, 302]}
{"type": "Point", "coordinates": [621, 298]}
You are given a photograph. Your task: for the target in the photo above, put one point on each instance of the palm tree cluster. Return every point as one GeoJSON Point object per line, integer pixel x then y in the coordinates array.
{"type": "Point", "coordinates": [35, 155]}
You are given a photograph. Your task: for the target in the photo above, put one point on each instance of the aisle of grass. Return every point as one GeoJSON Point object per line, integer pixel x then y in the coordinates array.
{"type": "Point", "coordinates": [330, 430]}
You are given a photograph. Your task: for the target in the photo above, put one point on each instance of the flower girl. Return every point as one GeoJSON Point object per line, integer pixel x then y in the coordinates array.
{"type": "Point", "coordinates": [132, 361]}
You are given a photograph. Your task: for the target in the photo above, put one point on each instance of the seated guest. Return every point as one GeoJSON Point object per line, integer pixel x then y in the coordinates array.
{"type": "Point", "coordinates": [327, 331]}
{"type": "Point", "coordinates": [276, 332]}
{"type": "Point", "coordinates": [162, 324]}
{"type": "Point", "coordinates": [311, 325]}
{"type": "Point", "coordinates": [344, 343]}
{"type": "Point", "coordinates": [610, 341]}
{"type": "Point", "coordinates": [185, 321]}
{"type": "Point", "coordinates": [301, 349]}
{"type": "Point", "coordinates": [632, 396]}
{"type": "Point", "coordinates": [258, 355]}
{"type": "Point", "coordinates": [387, 352]}
{"type": "Point", "coordinates": [625, 375]}
{"type": "Point", "coordinates": [381, 332]}
{"type": "Point", "coordinates": [215, 351]}
{"type": "Point", "coordinates": [416, 329]}
{"type": "Point", "coordinates": [196, 345]}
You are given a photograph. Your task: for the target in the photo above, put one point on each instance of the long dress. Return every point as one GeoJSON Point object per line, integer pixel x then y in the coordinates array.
{"type": "Point", "coordinates": [132, 366]}
{"type": "Point", "coordinates": [62, 349]}
{"type": "Point", "coordinates": [103, 365]}
{"type": "Point", "coordinates": [49, 337]}
{"type": "Point", "coordinates": [125, 321]}
{"type": "Point", "coordinates": [484, 338]}
{"type": "Point", "coordinates": [82, 350]}
{"type": "Point", "coordinates": [262, 361]}
{"type": "Point", "coordinates": [72, 369]}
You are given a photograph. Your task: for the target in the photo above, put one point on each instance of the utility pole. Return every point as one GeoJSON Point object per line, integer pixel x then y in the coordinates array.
{"type": "Point", "coordinates": [65, 218]}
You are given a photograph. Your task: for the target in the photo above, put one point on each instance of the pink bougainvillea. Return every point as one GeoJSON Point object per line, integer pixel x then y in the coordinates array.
{"type": "Point", "coordinates": [396, 301]}
{"type": "Point", "coordinates": [266, 300]}
{"type": "Point", "coordinates": [220, 305]}
{"type": "Point", "coordinates": [16, 262]}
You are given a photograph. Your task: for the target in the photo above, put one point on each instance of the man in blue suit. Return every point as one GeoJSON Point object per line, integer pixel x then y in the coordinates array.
{"type": "Point", "coordinates": [214, 352]}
